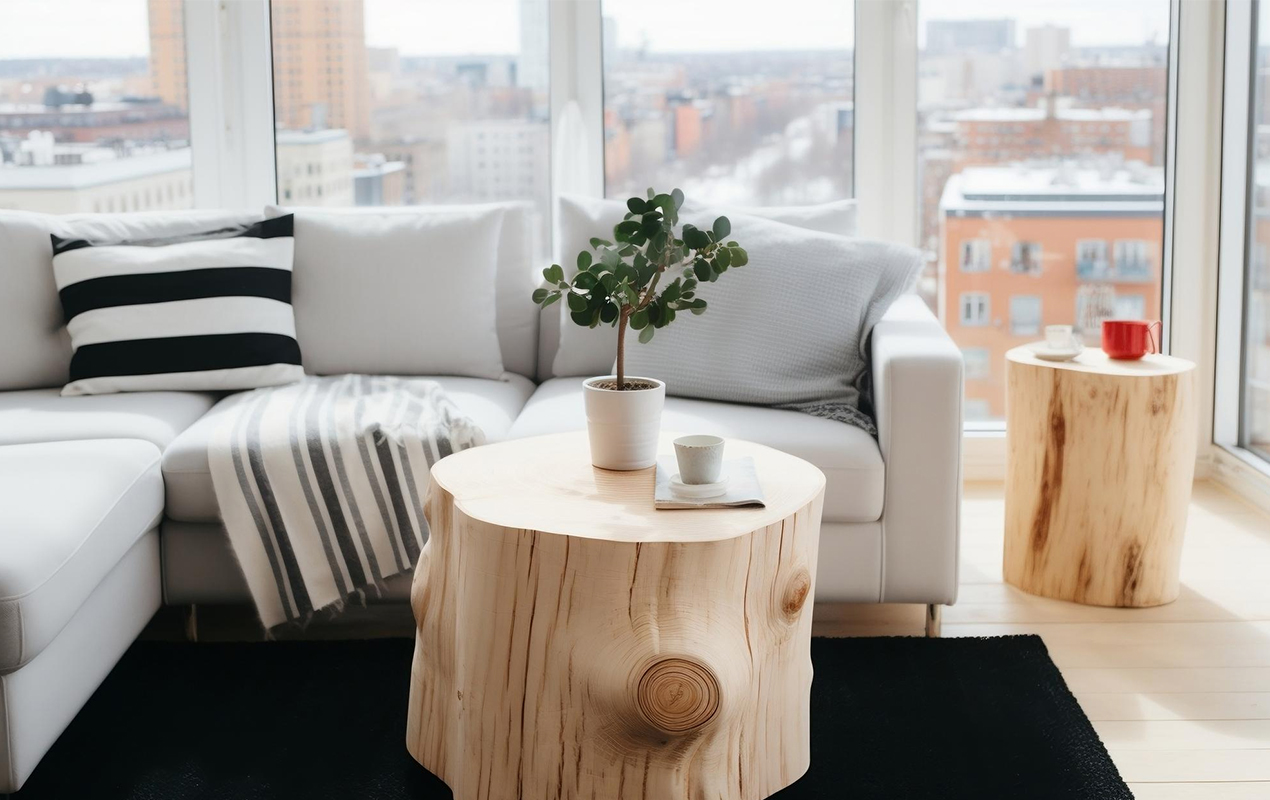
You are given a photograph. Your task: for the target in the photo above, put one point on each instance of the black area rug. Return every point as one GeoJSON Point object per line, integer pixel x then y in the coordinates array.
{"type": "Point", "coordinates": [891, 718]}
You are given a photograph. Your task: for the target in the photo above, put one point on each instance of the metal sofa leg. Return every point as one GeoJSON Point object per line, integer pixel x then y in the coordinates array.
{"type": "Point", "coordinates": [934, 619]}
{"type": "Point", "coordinates": [191, 623]}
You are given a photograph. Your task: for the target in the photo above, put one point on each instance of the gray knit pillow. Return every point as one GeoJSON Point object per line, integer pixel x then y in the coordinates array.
{"type": "Point", "coordinates": [789, 329]}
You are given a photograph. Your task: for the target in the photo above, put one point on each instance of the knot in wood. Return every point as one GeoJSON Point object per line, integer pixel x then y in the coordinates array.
{"type": "Point", "coordinates": [678, 695]}
{"type": "Point", "coordinates": [795, 595]}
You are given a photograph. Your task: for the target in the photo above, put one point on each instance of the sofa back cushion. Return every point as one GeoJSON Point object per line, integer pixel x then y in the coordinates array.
{"type": "Point", "coordinates": [401, 292]}
{"type": "Point", "coordinates": [37, 349]}
{"type": "Point", "coordinates": [516, 275]}
{"type": "Point", "coordinates": [566, 350]}
{"type": "Point", "coordinates": [788, 329]}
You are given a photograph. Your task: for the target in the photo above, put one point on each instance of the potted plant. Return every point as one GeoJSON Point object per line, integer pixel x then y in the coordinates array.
{"type": "Point", "coordinates": [620, 283]}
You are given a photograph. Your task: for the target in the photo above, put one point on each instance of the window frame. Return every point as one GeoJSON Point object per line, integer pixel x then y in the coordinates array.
{"type": "Point", "coordinates": [986, 299]}
{"type": "Point", "coordinates": [974, 245]}
{"type": "Point", "coordinates": [1032, 301]}
{"type": "Point", "coordinates": [1235, 240]}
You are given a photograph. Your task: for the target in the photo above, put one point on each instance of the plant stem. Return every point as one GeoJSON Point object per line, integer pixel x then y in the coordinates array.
{"type": "Point", "coordinates": [623, 316]}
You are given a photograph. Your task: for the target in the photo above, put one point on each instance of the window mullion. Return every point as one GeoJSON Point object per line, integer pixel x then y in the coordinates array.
{"type": "Point", "coordinates": [886, 119]}
{"type": "Point", "coordinates": [228, 54]}
{"type": "Point", "coordinates": [577, 98]}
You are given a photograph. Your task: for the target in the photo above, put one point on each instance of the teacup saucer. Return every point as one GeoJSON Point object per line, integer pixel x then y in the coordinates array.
{"type": "Point", "coordinates": [1047, 353]}
{"type": "Point", "coordinates": [698, 490]}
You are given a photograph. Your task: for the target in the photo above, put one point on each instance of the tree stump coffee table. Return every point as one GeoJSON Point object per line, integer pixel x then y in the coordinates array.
{"type": "Point", "coordinates": [1100, 456]}
{"type": "Point", "coordinates": [573, 642]}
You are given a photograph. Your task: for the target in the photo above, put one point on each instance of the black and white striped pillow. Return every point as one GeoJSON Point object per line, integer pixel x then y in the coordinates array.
{"type": "Point", "coordinates": [209, 311]}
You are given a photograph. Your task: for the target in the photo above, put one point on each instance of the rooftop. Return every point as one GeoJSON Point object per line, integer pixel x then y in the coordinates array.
{"type": "Point", "coordinates": [1055, 190]}
{"type": "Point", "coordinates": [1037, 114]}
{"type": "Point", "coordinates": [94, 173]}
{"type": "Point", "coordinates": [311, 137]}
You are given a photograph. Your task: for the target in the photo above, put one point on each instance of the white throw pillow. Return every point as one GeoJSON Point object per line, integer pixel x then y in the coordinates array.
{"type": "Point", "coordinates": [205, 311]}
{"type": "Point", "coordinates": [517, 271]}
{"type": "Point", "coordinates": [788, 329]}
{"type": "Point", "coordinates": [590, 351]}
{"type": "Point", "coordinates": [398, 293]}
{"type": "Point", "coordinates": [837, 217]}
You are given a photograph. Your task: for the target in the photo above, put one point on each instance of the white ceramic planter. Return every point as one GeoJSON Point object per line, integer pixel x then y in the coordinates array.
{"type": "Point", "coordinates": [623, 426]}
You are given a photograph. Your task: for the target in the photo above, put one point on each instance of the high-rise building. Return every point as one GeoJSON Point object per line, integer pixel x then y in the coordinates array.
{"type": "Point", "coordinates": [321, 78]}
{"type": "Point", "coordinates": [1022, 248]}
{"type": "Point", "coordinates": [72, 178]}
{"type": "Point", "coordinates": [1047, 48]}
{"type": "Point", "coordinates": [944, 36]}
{"type": "Point", "coordinates": [498, 159]}
{"type": "Point", "coordinates": [315, 168]}
{"type": "Point", "coordinates": [167, 52]}
{"type": "Point", "coordinates": [533, 63]}
{"type": "Point", "coordinates": [1051, 130]}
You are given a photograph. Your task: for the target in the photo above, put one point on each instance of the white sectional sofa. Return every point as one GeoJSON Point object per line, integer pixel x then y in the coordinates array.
{"type": "Point", "coordinates": [107, 510]}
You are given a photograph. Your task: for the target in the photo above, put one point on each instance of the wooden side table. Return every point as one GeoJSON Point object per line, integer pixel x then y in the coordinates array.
{"type": "Point", "coordinates": [1100, 458]}
{"type": "Point", "coordinates": [574, 643]}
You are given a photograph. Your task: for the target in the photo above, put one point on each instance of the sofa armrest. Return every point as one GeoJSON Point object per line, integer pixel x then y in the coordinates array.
{"type": "Point", "coordinates": [917, 394]}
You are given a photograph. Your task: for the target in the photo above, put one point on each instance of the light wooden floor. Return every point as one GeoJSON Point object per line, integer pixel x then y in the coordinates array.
{"type": "Point", "coordinates": [1180, 694]}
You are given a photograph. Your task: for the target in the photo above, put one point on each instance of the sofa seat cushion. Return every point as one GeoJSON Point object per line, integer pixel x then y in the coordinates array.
{"type": "Point", "coordinates": [849, 457]}
{"type": "Point", "coordinates": [69, 511]}
{"type": "Point", "coordinates": [43, 415]}
{"type": "Point", "coordinates": [493, 405]}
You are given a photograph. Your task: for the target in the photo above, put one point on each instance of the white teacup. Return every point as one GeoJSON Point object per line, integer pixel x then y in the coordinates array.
{"type": "Point", "coordinates": [1060, 337]}
{"type": "Point", "coordinates": [700, 458]}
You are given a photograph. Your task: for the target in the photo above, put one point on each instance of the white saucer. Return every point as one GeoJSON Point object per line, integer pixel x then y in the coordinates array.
{"type": "Point", "coordinates": [1047, 353]}
{"type": "Point", "coordinates": [698, 490]}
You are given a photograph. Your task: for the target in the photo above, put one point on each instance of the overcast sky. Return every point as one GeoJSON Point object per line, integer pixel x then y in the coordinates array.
{"type": "Point", "coordinates": [35, 28]}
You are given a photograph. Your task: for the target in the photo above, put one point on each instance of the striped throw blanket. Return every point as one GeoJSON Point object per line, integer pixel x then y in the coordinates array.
{"type": "Point", "coordinates": [321, 484]}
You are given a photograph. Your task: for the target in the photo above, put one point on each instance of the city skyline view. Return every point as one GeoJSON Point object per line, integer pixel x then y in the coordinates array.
{"type": "Point", "coordinates": [1028, 115]}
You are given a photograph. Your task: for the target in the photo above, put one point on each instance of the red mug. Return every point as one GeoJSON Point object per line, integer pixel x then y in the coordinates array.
{"type": "Point", "coordinates": [1129, 338]}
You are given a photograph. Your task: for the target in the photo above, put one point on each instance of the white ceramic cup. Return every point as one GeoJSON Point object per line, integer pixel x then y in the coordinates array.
{"type": "Point", "coordinates": [1059, 337]}
{"type": "Point", "coordinates": [700, 458]}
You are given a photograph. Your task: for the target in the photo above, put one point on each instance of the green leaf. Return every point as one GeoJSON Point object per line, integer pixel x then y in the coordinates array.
{"type": "Point", "coordinates": [702, 270]}
{"type": "Point", "coordinates": [598, 242]}
{"type": "Point", "coordinates": [724, 258]}
{"type": "Point", "coordinates": [722, 228]}
{"type": "Point", "coordinates": [636, 205]}
{"type": "Point", "coordinates": [739, 257]}
{"type": "Point", "coordinates": [639, 320]}
{"type": "Point", "coordinates": [678, 196]}
{"type": "Point", "coordinates": [695, 237]}
{"type": "Point", "coordinates": [539, 295]}
{"type": "Point", "coordinates": [698, 307]}
{"type": "Point", "coordinates": [608, 313]}
{"type": "Point", "coordinates": [584, 260]}
{"type": "Point", "coordinates": [650, 224]}
{"type": "Point", "coordinates": [651, 193]}
{"type": "Point", "coordinates": [577, 302]}
{"type": "Point", "coordinates": [646, 335]}
{"type": "Point", "coordinates": [551, 298]}
{"type": "Point", "coordinates": [584, 280]}
{"type": "Point", "coordinates": [553, 273]}
{"type": "Point", "coordinates": [623, 230]}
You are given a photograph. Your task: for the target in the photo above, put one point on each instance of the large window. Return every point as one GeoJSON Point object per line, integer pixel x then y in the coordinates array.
{"type": "Point", "coordinates": [393, 102]}
{"type": "Point", "coordinates": [737, 104]}
{"type": "Point", "coordinates": [93, 106]}
{"type": "Point", "coordinates": [1041, 129]}
{"type": "Point", "coordinates": [1254, 432]}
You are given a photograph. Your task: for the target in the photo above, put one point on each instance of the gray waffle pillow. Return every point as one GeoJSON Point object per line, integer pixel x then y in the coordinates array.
{"type": "Point", "coordinates": [790, 329]}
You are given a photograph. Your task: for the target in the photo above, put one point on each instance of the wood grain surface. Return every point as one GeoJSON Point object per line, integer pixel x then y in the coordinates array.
{"type": "Point", "coordinates": [572, 642]}
{"type": "Point", "coordinates": [1100, 458]}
